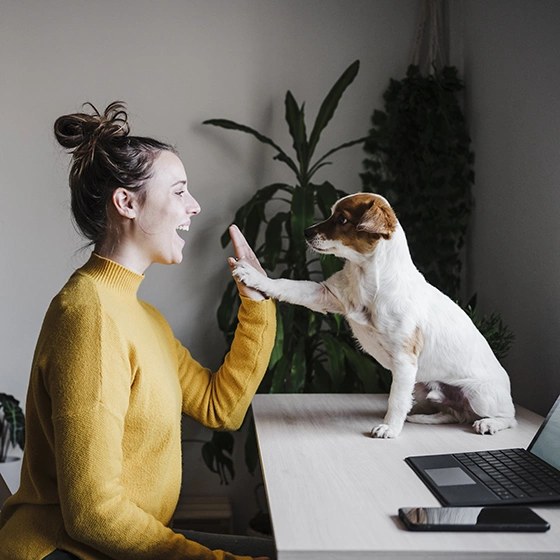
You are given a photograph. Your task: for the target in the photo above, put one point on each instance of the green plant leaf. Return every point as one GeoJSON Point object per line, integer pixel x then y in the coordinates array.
{"type": "Point", "coordinates": [280, 374]}
{"type": "Point", "coordinates": [231, 125]}
{"type": "Point", "coordinates": [499, 337]}
{"type": "Point", "coordinates": [364, 368]}
{"type": "Point", "coordinates": [330, 264]}
{"type": "Point", "coordinates": [330, 103]}
{"type": "Point", "coordinates": [239, 220]}
{"type": "Point", "coordinates": [216, 454]}
{"type": "Point", "coordinates": [227, 306]}
{"type": "Point", "coordinates": [296, 125]}
{"type": "Point", "coordinates": [326, 195]}
{"type": "Point", "coordinates": [298, 368]}
{"type": "Point", "coordinates": [335, 353]}
{"type": "Point", "coordinates": [322, 382]}
{"type": "Point", "coordinates": [253, 224]}
{"type": "Point", "coordinates": [260, 199]}
{"type": "Point", "coordinates": [273, 239]}
{"type": "Point", "coordinates": [320, 162]}
{"type": "Point", "coordinates": [303, 212]}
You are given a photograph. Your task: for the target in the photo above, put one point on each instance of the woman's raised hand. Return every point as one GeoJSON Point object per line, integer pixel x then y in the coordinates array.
{"type": "Point", "coordinates": [244, 252]}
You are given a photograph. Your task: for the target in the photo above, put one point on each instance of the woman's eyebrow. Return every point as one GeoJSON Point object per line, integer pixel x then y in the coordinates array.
{"type": "Point", "coordinates": [181, 182]}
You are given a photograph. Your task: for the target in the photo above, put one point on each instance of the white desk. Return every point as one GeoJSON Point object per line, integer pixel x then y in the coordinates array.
{"type": "Point", "coordinates": [334, 492]}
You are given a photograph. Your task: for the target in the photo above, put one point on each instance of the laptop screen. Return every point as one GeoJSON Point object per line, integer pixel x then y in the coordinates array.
{"type": "Point", "coordinates": [546, 444]}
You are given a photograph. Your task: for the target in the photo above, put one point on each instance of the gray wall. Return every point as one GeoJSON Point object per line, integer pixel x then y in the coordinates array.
{"type": "Point", "coordinates": [512, 72]}
{"type": "Point", "coordinates": [176, 63]}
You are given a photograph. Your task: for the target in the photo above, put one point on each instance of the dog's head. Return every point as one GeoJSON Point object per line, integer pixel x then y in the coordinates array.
{"type": "Point", "coordinates": [357, 224]}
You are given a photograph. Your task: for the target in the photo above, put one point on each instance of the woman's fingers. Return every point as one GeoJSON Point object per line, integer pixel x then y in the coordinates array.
{"type": "Point", "coordinates": [243, 249]}
{"type": "Point", "coordinates": [240, 245]}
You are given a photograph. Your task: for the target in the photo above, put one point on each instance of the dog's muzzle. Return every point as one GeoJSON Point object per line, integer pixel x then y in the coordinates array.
{"type": "Point", "coordinates": [309, 233]}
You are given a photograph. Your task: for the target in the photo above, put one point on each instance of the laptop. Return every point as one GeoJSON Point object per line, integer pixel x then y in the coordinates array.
{"type": "Point", "coordinates": [504, 476]}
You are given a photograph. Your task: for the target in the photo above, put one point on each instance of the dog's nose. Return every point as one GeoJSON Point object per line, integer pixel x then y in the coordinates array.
{"type": "Point", "coordinates": [308, 232]}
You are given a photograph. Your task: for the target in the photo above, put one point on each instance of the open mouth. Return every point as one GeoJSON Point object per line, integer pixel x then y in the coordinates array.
{"type": "Point", "coordinates": [181, 230]}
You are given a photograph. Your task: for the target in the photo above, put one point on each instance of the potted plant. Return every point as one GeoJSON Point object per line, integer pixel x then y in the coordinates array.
{"type": "Point", "coordinates": [12, 435]}
{"type": "Point", "coordinates": [313, 352]}
{"type": "Point", "coordinates": [12, 425]}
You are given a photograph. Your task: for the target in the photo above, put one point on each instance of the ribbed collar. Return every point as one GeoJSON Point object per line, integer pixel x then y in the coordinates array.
{"type": "Point", "coordinates": [112, 274]}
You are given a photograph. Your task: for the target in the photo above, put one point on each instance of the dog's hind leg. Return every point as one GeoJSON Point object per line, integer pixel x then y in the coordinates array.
{"type": "Point", "coordinates": [493, 425]}
{"type": "Point", "coordinates": [437, 418]}
{"type": "Point", "coordinates": [492, 405]}
{"type": "Point", "coordinates": [440, 403]}
{"type": "Point", "coordinates": [431, 407]}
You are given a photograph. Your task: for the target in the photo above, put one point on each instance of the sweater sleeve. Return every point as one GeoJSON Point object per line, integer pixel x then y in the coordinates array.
{"type": "Point", "coordinates": [220, 400]}
{"type": "Point", "coordinates": [88, 377]}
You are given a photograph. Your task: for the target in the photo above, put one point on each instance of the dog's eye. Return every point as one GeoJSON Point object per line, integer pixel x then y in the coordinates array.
{"type": "Point", "coordinates": [341, 220]}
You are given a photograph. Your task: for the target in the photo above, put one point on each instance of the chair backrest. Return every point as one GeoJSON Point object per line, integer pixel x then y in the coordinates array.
{"type": "Point", "coordinates": [4, 491]}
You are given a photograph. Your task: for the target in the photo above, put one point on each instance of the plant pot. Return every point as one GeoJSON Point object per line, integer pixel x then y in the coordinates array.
{"type": "Point", "coordinates": [10, 471]}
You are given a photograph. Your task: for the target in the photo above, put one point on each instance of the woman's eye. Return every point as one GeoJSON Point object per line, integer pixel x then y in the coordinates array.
{"type": "Point", "coordinates": [180, 193]}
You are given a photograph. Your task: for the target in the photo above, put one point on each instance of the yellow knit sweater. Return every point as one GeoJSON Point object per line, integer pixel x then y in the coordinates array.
{"type": "Point", "coordinates": [101, 472]}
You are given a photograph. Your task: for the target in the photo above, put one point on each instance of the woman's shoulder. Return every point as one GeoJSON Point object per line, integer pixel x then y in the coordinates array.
{"type": "Point", "coordinates": [77, 301]}
{"type": "Point", "coordinates": [154, 313]}
{"type": "Point", "coordinates": [79, 290]}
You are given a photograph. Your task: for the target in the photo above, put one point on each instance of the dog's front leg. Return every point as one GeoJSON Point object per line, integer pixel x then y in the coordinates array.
{"type": "Point", "coordinates": [315, 296]}
{"type": "Point", "coordinates": [400, 400]}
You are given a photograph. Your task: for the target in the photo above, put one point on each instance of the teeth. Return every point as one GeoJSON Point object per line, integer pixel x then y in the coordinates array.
{"type": "Point", "coordinates": [184, 228]}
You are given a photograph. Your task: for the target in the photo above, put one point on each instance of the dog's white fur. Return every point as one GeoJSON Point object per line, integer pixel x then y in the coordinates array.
{"type": "Point", "coordinates": [435, 353]}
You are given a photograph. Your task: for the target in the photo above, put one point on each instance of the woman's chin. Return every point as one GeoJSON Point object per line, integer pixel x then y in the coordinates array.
{"type": "Point", "coordinates": [178, 257]}
{"type": "Point", "coordinates": [175, 258]}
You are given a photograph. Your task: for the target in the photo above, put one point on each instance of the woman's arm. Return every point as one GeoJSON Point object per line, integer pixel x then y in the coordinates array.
{"type": "Point", "coordinates": [221, 400]}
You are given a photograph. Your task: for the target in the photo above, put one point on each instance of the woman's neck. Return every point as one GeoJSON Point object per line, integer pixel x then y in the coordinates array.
{"type": "Point", "coordinates": [124, 254]}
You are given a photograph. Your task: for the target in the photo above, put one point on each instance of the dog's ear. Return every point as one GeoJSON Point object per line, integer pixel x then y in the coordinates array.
{"type": "Point", "coordinates": [378, 220]}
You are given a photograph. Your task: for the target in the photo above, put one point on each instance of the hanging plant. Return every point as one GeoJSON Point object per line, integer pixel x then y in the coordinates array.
{"type": "Point", "coordinates": [420, 159]}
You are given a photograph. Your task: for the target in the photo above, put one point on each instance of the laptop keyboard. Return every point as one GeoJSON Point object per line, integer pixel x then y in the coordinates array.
{"type": "Point", "coordinates": [512, 473]}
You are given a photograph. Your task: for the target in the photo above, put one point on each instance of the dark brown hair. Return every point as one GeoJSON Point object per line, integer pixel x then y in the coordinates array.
{"type": "Point", "coordinates": [104, 157]}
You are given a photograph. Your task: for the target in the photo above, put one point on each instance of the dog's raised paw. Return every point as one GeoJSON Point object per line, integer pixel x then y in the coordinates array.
{"type": "Point", "coordinates": [245, 273]}
{"type": "Point", "coordinates": [384, 431]}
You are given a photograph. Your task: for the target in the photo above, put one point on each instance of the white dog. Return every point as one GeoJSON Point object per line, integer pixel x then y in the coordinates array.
{"type": "Point", "coordinates": [406, 324]}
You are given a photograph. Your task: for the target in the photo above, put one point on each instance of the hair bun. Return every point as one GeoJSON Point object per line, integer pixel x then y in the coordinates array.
{"type": "Point", "coordinates": [86, 130]}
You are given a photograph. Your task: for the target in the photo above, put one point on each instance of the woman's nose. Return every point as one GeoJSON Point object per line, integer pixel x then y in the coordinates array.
{"type": "Point", "coordinates": [191, 205]}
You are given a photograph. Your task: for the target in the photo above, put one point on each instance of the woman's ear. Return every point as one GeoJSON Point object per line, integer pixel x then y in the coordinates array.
{"type": "Point", "coordinates": [125, 203]}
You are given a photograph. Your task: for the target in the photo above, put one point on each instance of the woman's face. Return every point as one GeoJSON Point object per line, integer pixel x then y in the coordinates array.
{"type": "Point", "coordinates": [167, 207]}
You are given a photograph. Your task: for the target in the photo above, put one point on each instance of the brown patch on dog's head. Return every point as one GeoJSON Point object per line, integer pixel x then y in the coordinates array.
{"type": "Point", "coordinates": [358, 221]}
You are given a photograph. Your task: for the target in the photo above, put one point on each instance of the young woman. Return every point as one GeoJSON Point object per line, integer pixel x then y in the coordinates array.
{"type": "Point", "coordinates": [101, 471]}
